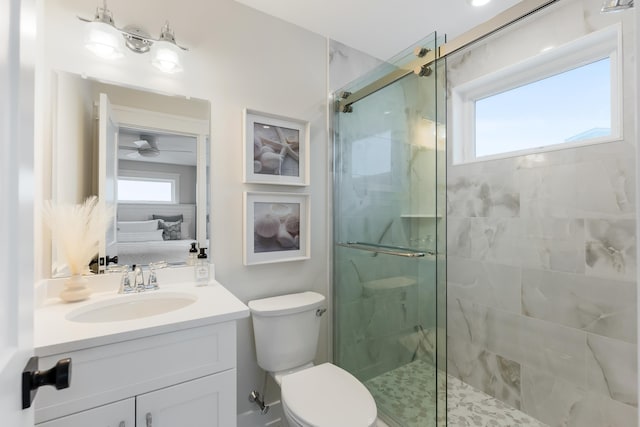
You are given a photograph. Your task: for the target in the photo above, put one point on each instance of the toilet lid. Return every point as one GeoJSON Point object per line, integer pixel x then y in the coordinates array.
{"type": "Point", "coordinates": [327, 396]}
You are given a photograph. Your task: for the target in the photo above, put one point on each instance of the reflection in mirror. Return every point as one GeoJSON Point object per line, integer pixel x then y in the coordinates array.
{"type": "Point", "coordinates": [142, 152]}
{"type": "Point", "coordinates": [156, 179]}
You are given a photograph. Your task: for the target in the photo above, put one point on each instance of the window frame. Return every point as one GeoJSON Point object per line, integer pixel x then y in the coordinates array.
{"type": "Point", "coordinates": [601, 44]}
{"type": "Point", "coordinates": [172, 178]}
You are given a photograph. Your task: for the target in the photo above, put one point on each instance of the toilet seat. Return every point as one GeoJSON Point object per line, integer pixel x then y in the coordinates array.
{"type": "Point", "coordinates": [327, 396]}
{"type": "Point", "coordinates": [291, 419]}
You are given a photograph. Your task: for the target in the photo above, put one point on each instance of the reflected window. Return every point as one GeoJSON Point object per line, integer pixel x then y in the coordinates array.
{"type": "Point", "coordinates": [371, 155]}
{"type": "Point", "coordinates": [146, 190]}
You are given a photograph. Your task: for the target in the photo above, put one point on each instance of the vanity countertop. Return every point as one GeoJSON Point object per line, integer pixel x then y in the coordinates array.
{"type": "Point", "coordinates": [55, 334]}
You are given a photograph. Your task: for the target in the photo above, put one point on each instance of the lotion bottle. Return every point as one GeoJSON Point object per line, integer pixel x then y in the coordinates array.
{"type": "Point", "coordinates": [193, 254]}
{"type": "Point", "coordinates": [202, 268]}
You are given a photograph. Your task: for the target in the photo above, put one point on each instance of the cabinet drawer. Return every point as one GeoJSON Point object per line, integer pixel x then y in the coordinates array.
{"type": "Point", "coordinates": [109, 373]}
{"type": "Point", "coordinates": [118, 414]}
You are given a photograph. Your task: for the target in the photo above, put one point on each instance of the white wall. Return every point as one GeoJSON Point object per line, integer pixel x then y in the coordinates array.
{"type": "Point", "coordinates": [73, 126]}
{"type": "Point", "coordinates": [238, 58]}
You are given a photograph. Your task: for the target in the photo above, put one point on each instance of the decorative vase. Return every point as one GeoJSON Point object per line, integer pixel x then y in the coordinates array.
{"type": "Point", "coordinates": [75, 289]}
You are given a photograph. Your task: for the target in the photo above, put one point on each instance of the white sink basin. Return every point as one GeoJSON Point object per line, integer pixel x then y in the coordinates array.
{"type": "Point", "coordinates": [129, 307]}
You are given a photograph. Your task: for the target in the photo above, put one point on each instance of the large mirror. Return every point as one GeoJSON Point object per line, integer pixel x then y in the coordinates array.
{"type": "Point", "coordinates": [144, 153]}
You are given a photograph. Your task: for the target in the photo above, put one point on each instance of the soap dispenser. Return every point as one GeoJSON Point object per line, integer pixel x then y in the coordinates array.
{"type": "Point", "coordinates": [202, 268]}
{"type": "Point", "coordinates": [193, 254]}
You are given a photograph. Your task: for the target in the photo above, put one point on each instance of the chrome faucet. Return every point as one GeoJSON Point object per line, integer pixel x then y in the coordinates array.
{"type": "Point", "coordinates": [126, 287]}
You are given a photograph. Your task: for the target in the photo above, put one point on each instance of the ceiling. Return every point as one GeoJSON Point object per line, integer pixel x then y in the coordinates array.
{"type": "Point", "coordinates": [174, 149]}
{"type": "Point", "coordinates": [381, 28]}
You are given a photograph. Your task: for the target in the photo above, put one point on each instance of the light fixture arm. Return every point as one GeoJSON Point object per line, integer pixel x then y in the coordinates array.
{"type": "Point", "coordinates": [166, 34]}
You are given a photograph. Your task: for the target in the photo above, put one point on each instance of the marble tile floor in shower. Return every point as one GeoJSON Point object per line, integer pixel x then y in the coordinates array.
{"type": "Point", "coordinates": [408, 395]}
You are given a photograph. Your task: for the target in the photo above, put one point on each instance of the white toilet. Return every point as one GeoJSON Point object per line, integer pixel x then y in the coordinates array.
{"type": "Point", "coordinates": [286, 331]}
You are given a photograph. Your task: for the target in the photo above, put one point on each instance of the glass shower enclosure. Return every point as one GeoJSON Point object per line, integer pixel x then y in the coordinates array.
{"type": "Point", "coordinates": [388, 255]}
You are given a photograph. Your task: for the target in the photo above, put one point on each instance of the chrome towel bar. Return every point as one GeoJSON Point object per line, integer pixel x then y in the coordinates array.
{"type": "Point", "coordinates": [387, 249]}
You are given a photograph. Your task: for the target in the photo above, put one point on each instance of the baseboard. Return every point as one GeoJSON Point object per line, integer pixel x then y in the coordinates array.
{"type": "Point", "coordinates": [254, 418]}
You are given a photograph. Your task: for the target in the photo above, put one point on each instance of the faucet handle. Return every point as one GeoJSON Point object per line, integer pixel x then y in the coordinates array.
{"type": "Point", "coordinates": [153, 278]}
{"type": "Point", "coordinates": [125, 283]}
{"type": "Point", "coordinates": [152, 283]}
{"type": "Point", "coordinates": [138, 279]}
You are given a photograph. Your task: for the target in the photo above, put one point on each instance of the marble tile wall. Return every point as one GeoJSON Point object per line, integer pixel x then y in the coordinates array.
{"type": "Point", "coordinates": [346, 64]}
{"type": "Point", "coordinates": [542, 256]}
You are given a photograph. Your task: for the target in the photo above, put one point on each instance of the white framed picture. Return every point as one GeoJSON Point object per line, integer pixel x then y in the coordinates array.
{"type": "Point", "coordinates": [276, 227]}
{"type": "Point", "coordinates": [276, 149]}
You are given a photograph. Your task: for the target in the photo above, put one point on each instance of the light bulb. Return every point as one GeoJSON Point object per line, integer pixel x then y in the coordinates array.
{"type": "Point", "coordinates": [478, 3]}
{"type": "Point", "coordinates": [166, 57]}
{"type": "Point", "coordinates": [103, 40]}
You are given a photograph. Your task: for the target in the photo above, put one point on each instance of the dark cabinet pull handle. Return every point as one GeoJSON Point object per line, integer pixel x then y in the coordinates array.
{"type": "Point", "coordinates": [59, 376]}
{"type": "Point", "coordinates": [149, 420]}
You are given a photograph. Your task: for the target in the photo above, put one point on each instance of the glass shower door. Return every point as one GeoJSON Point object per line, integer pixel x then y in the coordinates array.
{"type": "Point", "coordinates": [388, 214]}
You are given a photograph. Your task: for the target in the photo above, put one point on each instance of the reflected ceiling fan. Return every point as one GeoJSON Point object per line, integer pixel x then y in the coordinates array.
{"type": "Point", "coordinates": [147, 146]}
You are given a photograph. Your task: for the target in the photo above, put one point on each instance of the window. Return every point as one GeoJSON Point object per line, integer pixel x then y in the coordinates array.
{"type": "Point", "coordinates": [371, 156]}
{"type": "Point", "coordinates": [565, 97]}
{"type": "Point", "coordinates": [136, 187]}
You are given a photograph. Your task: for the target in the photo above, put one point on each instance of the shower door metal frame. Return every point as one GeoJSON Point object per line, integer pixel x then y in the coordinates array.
{"type": "Point", "coordinates": [428, 57]}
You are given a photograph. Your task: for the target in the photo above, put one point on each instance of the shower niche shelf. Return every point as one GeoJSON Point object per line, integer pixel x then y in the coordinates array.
{"type": "Point", "coordinates": [388, 284]}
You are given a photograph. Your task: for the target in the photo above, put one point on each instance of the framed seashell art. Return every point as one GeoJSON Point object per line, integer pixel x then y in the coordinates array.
{"type": "Point", "coordinates": [276, 227]}
{"type": "Point", "coordinates": [276, 149]}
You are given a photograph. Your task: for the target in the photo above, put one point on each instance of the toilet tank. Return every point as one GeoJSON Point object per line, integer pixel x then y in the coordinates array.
{"type": "Point", "coordinates": [286, 330]}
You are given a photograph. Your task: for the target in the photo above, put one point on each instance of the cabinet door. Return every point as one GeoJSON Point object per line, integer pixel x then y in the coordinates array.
{"type": "Point", "coordinates": [118, 414]}
{"type": "Point", "coordinates": [205, 402]}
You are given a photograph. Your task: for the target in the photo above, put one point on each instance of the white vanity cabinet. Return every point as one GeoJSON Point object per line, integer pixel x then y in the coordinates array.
{"type": "Point", "coordinates": [183, 378]}
{"type": "Point", "coordinates": [204, 401]}
{"type": "Point", "coordinates": [118, 414]}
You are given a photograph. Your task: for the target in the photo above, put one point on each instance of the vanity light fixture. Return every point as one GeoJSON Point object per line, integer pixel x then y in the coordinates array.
{"type": "Point", "coordinates": [104, 39]}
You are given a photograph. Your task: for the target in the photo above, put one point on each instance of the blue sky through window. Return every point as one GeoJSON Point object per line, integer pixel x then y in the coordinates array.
{"type": "Point", "coordinates": [567, 107]}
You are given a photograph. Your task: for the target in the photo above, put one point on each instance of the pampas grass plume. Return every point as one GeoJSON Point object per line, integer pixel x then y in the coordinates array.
{"type": "Point", "coordinates": [77, 230]}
